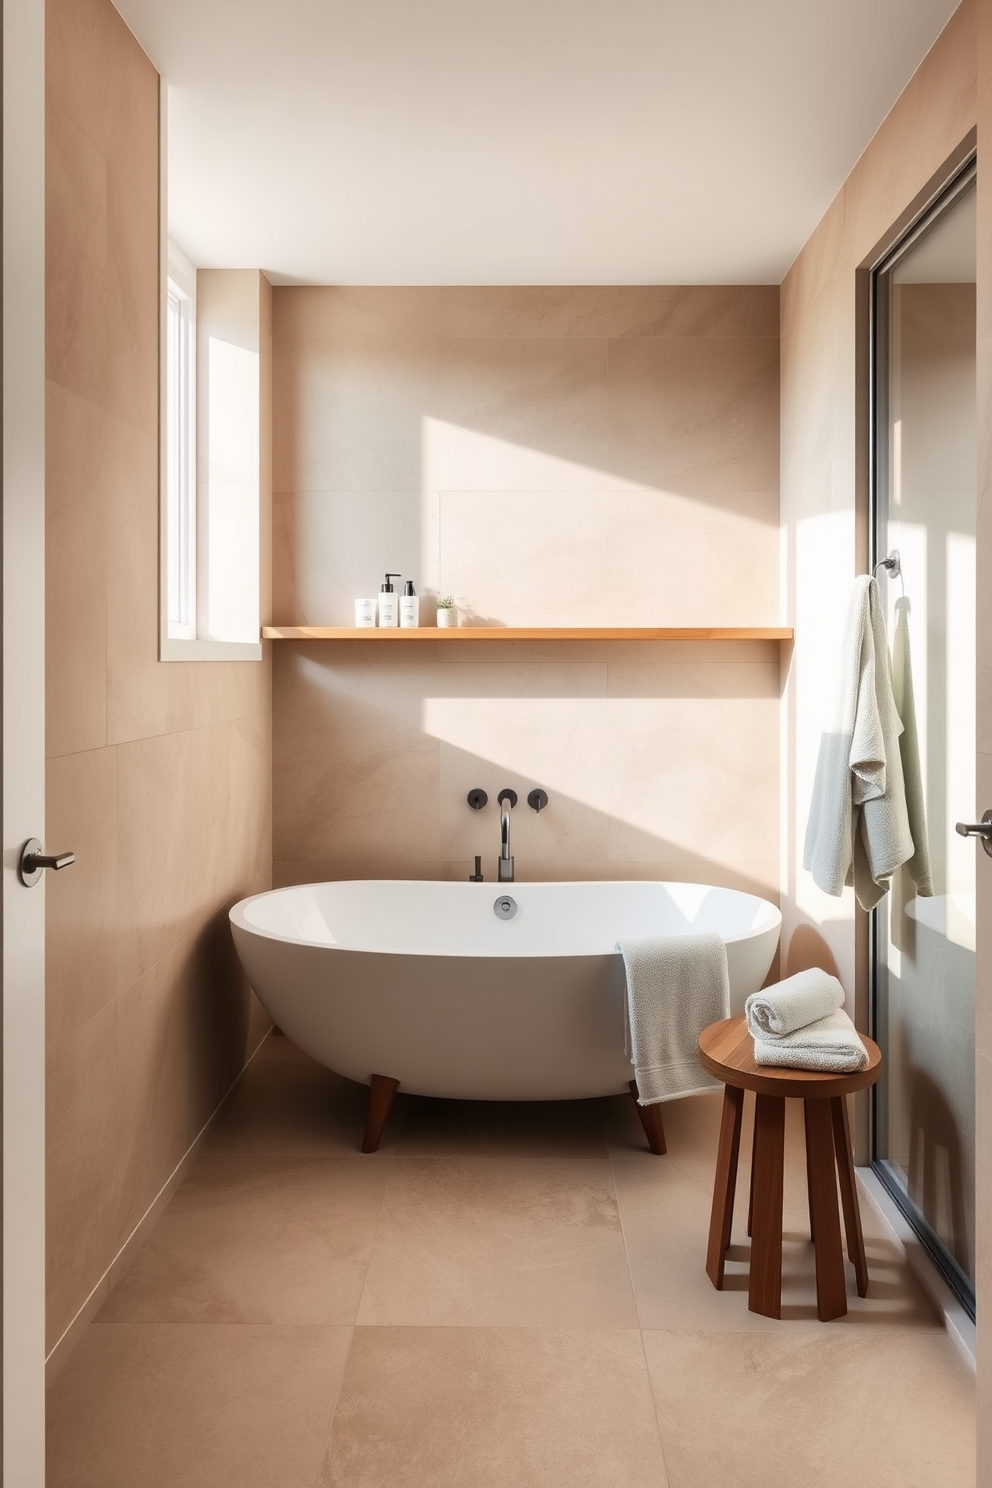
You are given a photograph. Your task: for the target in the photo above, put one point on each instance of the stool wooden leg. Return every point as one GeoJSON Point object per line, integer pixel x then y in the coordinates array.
{"type": "Point", "coordinates": [809, 1181]}
{"type": "Point", "coordinates": [750, 1202]}
{"type": "Point", "coordinates": [849, 1191]}
{"type": "Point", "coordinates": [831, 1290]}
{"type": "Point", "coordinates": [724, 1184]}
{"type": "Point", "coordinates": [765, 1281]}
{"type": "Point", "coordinates": [654, 1127]}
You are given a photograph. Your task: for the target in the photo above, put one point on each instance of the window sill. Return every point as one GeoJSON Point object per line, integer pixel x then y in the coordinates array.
{"type": "Point", "coordinates": [174, 650]}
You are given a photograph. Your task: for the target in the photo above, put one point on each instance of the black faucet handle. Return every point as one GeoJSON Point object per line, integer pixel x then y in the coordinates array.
{"type": "Point", "coordinates": [537, 800]}
{"type": "Point", "coordinates": [477, 798]}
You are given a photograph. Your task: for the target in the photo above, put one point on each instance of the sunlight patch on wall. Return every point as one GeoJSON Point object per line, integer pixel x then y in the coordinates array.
{"type": "Point", "coordinates": [521, 537]}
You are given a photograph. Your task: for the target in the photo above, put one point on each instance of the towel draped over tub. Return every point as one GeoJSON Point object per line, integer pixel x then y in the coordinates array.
{"type": "Point", "coordinates": [676, 985]}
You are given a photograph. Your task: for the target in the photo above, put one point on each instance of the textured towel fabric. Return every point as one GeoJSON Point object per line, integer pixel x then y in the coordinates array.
{"type": "Point", "coordinates": [830, 1045]}
{"type": "Point", "coordinates": [918, 865]}
{"type": "Point", "coordinates": [858, 831]}
{"type": "Point", "coordinates": [676, 984]}
{"type": "Point", "coordinates": [791, 1004]}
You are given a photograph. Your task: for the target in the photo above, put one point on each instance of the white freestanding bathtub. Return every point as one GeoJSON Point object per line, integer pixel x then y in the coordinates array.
{"type": "Point", "coordinates": [424, 983]}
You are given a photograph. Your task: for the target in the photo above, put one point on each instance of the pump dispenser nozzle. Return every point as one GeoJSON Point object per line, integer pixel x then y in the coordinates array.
{"type": "Point", "coordinates": [389, 610]}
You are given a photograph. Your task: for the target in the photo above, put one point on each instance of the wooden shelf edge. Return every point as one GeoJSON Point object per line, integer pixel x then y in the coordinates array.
{"type": "Point", "coordinates": [468, 633]}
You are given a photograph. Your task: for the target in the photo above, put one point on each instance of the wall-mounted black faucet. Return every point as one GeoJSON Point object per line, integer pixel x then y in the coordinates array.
{"type": "Point", "coordinates": [477, 798]}
{"type": "Point", "coordinates": [504, 864]}
{"type": "Point", "coordinates": [537, 800]}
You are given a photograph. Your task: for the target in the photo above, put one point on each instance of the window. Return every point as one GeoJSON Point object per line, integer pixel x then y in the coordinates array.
{"type": "Point", "coordinates": [211, 476]}
{"type": "Point", "coordinates": [180, 459]}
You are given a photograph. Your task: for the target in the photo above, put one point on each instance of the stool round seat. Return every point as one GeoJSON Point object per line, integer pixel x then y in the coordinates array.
{"type": "Point", "coordinates": [726, 1050]}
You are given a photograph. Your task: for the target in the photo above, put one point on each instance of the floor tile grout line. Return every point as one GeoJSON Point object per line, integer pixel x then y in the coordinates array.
{"type": "Point", "coordinates": [637, 1314]}
{"type": "Point", "coordinates": [375, 1237]}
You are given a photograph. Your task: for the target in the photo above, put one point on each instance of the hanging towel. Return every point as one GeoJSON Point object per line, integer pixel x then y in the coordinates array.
{"type": "Point", "coordinates": [918, 865]}
{"type": "Point", "coordinates": [792, 1004]}
{"type": "Point", "coordinates": [676, 985]}
{"type": "Point", "coordinates": [858, 831]}
{"type": "Point", "coordinates": [830, 1045]}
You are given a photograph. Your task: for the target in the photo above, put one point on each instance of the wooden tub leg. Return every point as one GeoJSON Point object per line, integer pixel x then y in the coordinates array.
{"type": "Point", "coordinates": [382, 1093]}
{"type": "Point", "coordinates": [654, 1127]}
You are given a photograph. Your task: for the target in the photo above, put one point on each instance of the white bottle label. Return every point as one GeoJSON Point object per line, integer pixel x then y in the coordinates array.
{"type": "Point", "coordinates": [388, 611]}
{"type": "Point", "coordinates": [409, 612]}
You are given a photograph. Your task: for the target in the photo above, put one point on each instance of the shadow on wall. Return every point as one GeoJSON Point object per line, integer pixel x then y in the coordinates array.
{"type": "Point", "coordinates": [807, 949]}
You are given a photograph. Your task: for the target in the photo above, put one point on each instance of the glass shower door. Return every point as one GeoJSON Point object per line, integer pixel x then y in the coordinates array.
{"type": "Point", "coordinates": [924, 930]}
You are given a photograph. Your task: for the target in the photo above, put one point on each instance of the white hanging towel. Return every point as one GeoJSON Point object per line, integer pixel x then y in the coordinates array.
{"type": "Point", "coordinates": [858, 830]}
{"type": "Point", "coordinates": [918, 865]}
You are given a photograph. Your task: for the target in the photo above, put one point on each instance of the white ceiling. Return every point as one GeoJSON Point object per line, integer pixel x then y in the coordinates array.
{"type": "Point", "coordinates": [519, 141]}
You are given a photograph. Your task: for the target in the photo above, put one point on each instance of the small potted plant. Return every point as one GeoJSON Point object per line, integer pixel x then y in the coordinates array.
{"type": "Point", "coordinates": [447, 614]}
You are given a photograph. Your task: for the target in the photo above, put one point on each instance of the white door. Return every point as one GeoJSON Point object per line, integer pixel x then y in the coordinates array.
{"type": "Point", "coordinates": [23, 742]}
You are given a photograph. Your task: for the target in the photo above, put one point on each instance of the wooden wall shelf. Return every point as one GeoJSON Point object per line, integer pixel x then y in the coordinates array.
{"type": "Point", "coordinates": [462, 635]}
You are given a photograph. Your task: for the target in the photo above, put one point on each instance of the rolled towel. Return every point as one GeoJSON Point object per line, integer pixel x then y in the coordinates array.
{"type": "Point", "coordinates": [830, 1046]}
{"type": "Point", "coordinates": [791, 1004]}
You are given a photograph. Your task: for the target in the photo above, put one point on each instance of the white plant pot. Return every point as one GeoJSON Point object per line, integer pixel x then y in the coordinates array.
{"type": "Point", "coordinates": [447, 619]}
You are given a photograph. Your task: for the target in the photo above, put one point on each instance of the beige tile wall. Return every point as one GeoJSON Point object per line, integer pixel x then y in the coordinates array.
{"type": "Point", "coordinates": [551, 456]}
{"type": "Point", "coordinates": [941, 104]}
{"type": "Point", "coordinates": [819, 454]}
{"type": "Point", "coordinates": [158, 775]}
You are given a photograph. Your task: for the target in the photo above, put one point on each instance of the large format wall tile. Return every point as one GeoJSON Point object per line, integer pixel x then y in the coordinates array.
{"type": "Point", "coordinates": [81, 903]}
{"type": "Point", "coordinates": [81, 1163]}
{"type": "Point", "coordinates": [79, 461]}
{"type": "Point", "coordinates": [75, 259]}
{"type": "Point", "coordinates": [172, 821]}
{"type": "Point", "coordinates": [551, 456]}
{"type": "Point", "coordinates": [348, 413]}
{"type": "Point", "coordinates": [519, 414]}
{"type": "Point", "coordinates": [547, 312]}
{"type": "Point", "coordinates": [137, 935]}
{"type": "Point", "coordinates": [695, 415]}
{"type": "Point", "coordinates": [333, 547]}
{"type": "Point", "coordinates": [132, 305]}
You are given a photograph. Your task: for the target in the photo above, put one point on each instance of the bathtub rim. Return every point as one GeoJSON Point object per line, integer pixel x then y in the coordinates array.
{"type": "Point", "coordinates": [236, 915]}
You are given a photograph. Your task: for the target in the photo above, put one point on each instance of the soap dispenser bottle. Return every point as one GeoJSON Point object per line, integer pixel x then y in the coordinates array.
{"type": "Point", "coordinates": [389, 613]}
{"type": "Point", "coordinates": [409, 607]}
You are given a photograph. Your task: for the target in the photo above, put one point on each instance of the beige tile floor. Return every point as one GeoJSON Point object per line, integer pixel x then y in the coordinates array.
{"type": "Point", "coordinates": [502, 1297]}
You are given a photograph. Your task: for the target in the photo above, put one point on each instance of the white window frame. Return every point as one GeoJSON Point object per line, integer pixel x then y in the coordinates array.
{"type": "Point", "coordinates": [180, 452]}
{"type": "Point", "coordinates": [181, 640]}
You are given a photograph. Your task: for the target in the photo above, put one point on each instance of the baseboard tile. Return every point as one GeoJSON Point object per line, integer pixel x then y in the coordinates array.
{"type": "Point", "coordinates": [61, 1350]}
{"type": "Point", "coordinates": [960, 1327]}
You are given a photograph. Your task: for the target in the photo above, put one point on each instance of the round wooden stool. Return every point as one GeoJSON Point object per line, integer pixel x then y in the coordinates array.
{"type": "Point", "coordinates": [726, 1050]}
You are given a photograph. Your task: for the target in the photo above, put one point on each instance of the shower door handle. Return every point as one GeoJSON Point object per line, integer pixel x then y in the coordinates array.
{"type": "Point", "coordinates": [982, 829]}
